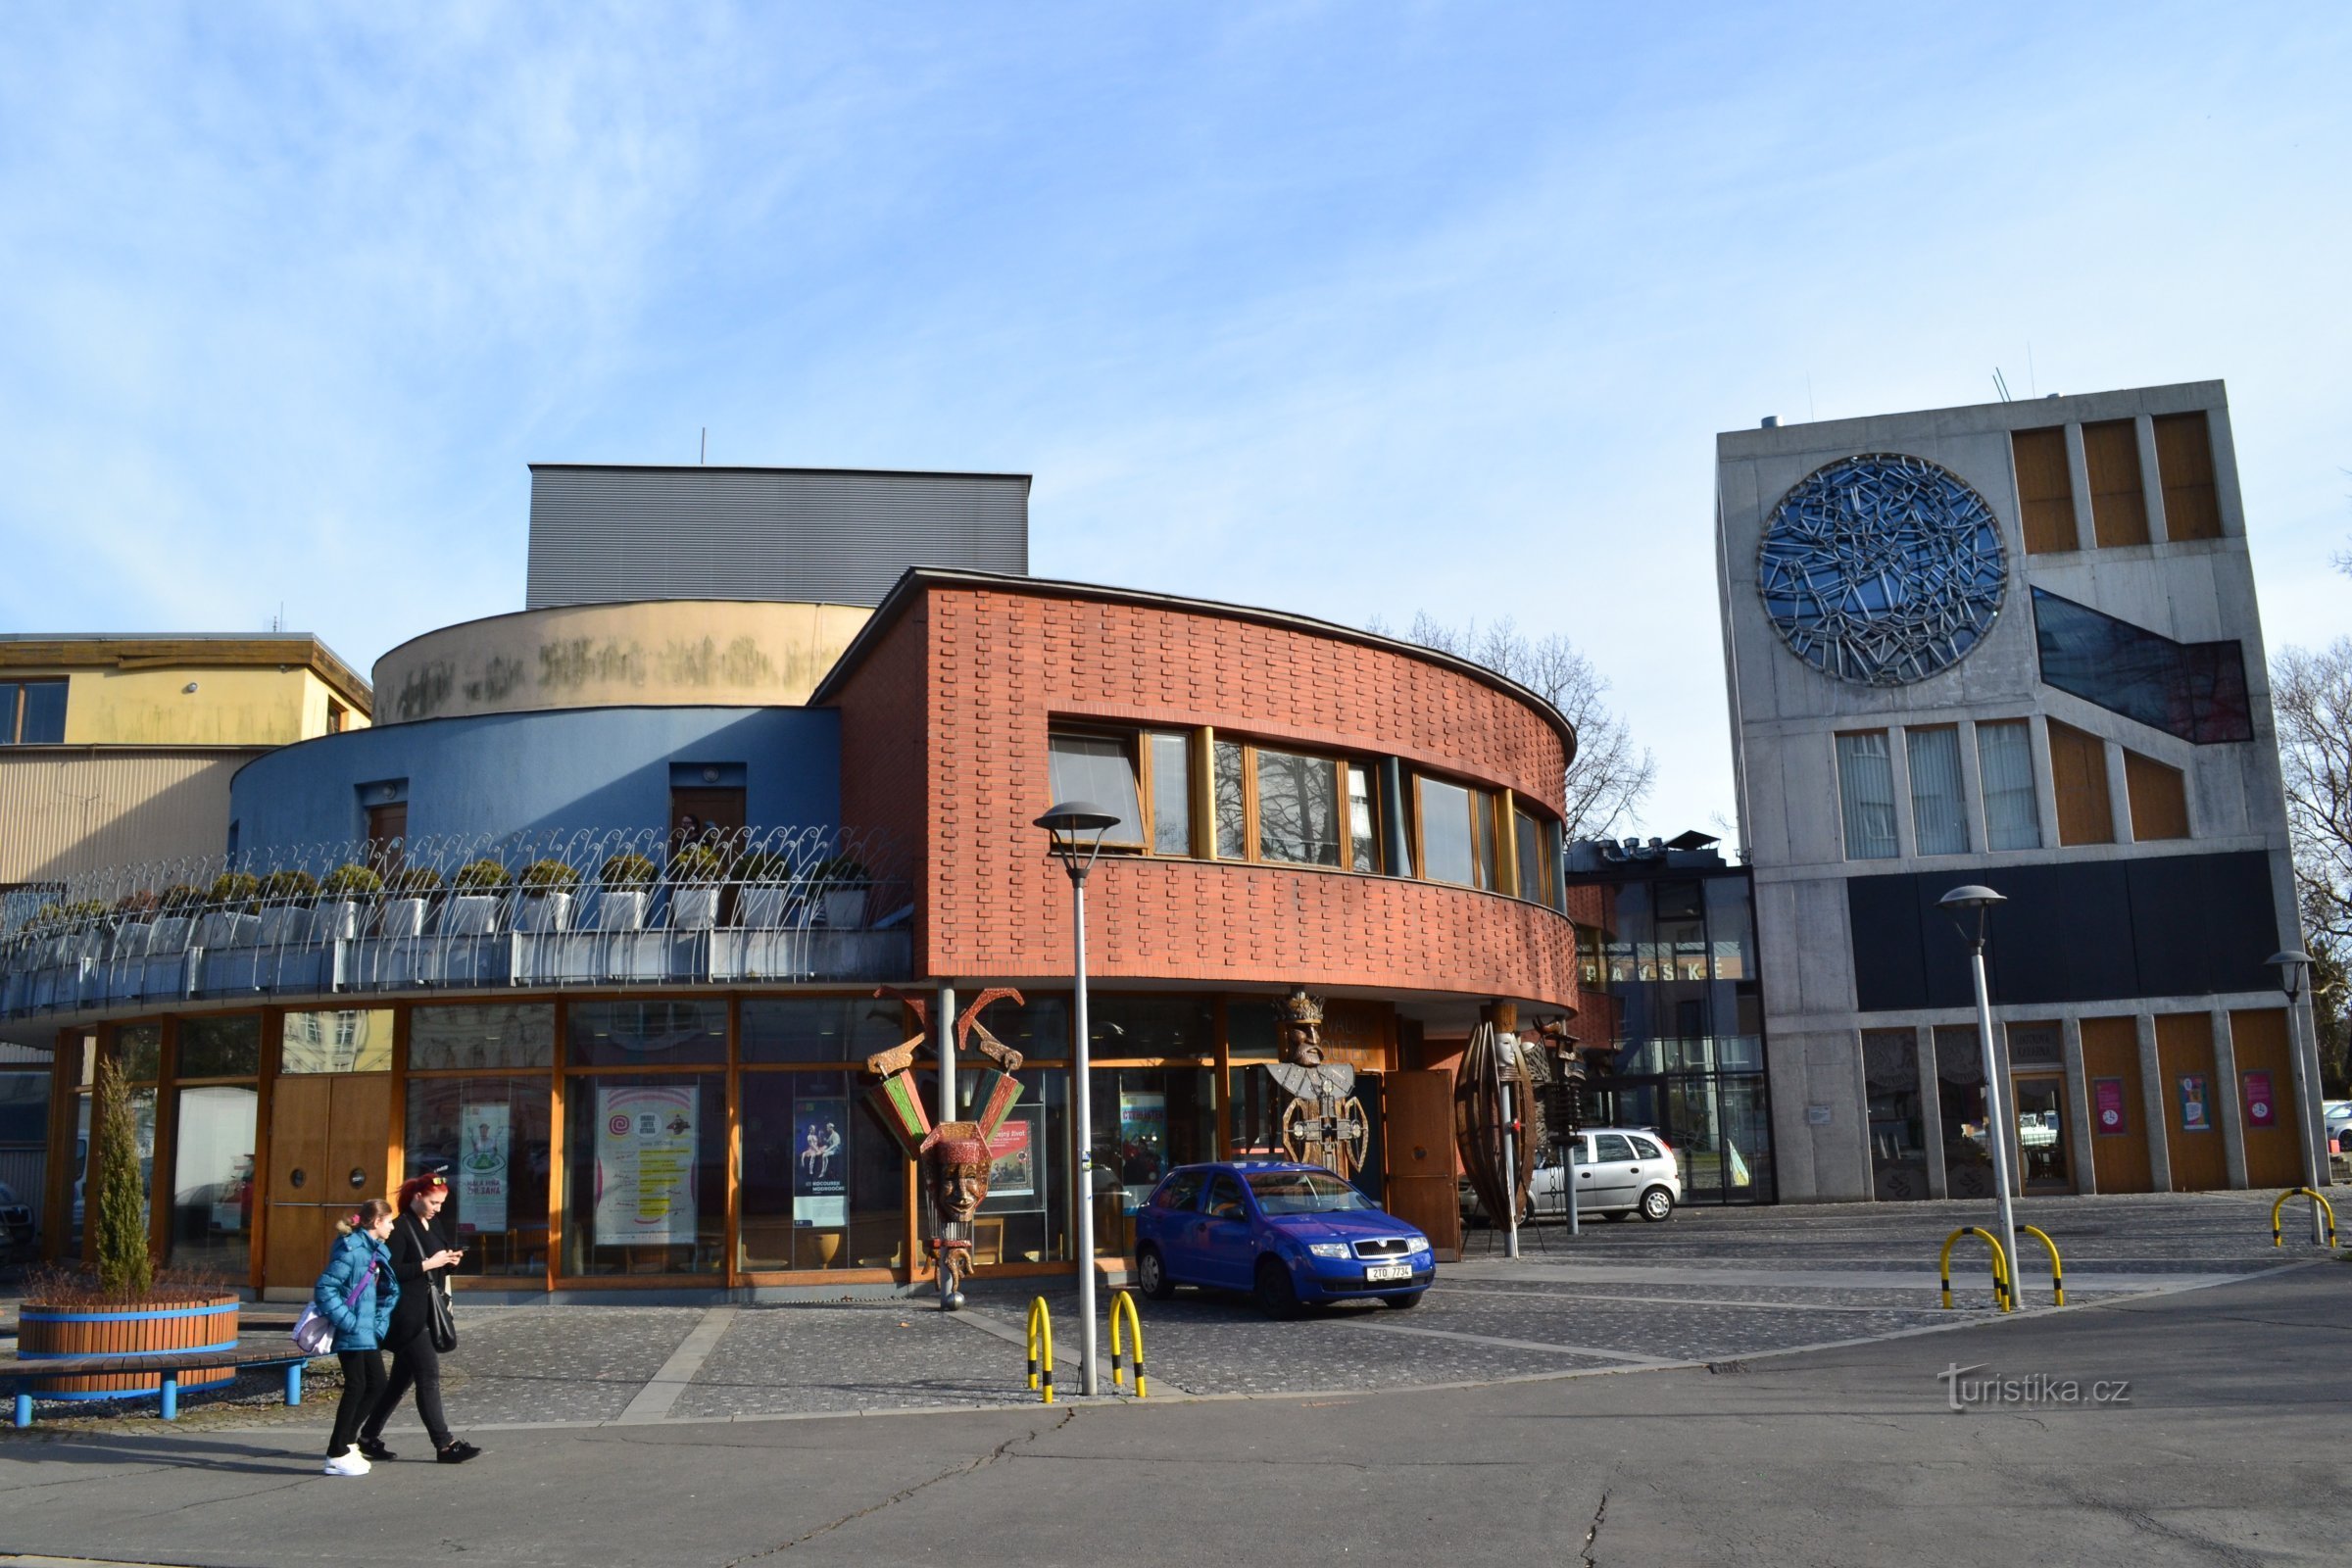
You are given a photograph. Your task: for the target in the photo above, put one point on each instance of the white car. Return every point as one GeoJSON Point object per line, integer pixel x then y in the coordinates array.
{"type": "Point", "coordinates": [1619, 1171]}
{"type": "Point", "coordinates": [2339, 1125]}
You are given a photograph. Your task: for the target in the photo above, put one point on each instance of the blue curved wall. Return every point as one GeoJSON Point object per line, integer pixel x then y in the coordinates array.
{"type": "Point", "coordinates": [501, 773]}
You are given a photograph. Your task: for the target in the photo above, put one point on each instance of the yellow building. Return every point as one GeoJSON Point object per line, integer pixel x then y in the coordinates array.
{"type": "Point", "coordinates": [118, 750]}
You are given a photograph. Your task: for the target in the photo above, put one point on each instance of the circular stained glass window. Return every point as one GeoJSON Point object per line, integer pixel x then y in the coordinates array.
{"type": "Point", "coordinates": [1881, 570]}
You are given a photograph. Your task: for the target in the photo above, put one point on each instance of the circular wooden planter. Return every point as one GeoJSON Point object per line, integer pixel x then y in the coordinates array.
{"type": "Point", "coordinates": [45, 1331]}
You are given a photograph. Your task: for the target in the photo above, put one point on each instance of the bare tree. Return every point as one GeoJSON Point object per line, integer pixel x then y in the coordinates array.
{"type": "Point", "coordinates": [1610, 776]}
{"type": "Point", "coordinates": [2311, 691]}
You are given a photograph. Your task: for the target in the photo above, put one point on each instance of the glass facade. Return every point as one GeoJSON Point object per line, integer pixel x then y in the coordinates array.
{"type": "Point", "coordinates": [1673, 965]}
{"type": "Point", "coordinates": [1960, 1103]}
{"type": "Point", "coordinates": [2197, 691]}
{"type": "Point", "coordinates": [492, 1132]}
{"type": "Point", "coordinates": [1898, 1152]}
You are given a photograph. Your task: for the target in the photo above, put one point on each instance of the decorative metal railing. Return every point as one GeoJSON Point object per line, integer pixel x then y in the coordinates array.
{"type": "Point", "coordinates": [613, 906]}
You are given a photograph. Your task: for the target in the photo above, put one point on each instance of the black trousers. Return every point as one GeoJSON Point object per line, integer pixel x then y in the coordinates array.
{"type": "Point", "coordinates": [363, 1386]}
{"type": "Point", "coordinates": [414, 1362]}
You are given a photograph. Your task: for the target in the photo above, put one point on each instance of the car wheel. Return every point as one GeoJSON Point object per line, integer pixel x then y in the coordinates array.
{"type": "Point", "coordinates": [1153, 1275]}
{"type": "Point", "coordinates": [1656, 1204]}
{"type": "Point", "coordinates": [1404, 1300]}
{"type": "Point", "coordinates": [1277, 1296]}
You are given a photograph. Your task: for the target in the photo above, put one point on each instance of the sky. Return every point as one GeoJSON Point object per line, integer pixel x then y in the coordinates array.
{"type": "Point", "coordinates": [1353, 309]}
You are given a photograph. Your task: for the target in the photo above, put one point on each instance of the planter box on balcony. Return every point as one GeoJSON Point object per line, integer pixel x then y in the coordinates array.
{"type": "Point", "coordinates": [284, 924]}
{"type": "Point", "coordinates": [694, 908]}
{"type": "Point", "coordinates": [169, 935]}
{"type": "Point", "coordinates": [336, 920]}
{"type": "Point", "coordinates": [404, 917]}
{"type": "Point", "coordinates": [132, 938]}
{"type": "Point", "coordinates": [544, 911]}
{"type": "Point", "coordinates": [762, 908]}
{"type": "Point", "coordinates": [845, 909]}
{"type": "Point", "coordinates": [222, 929]}
{"type": "Point", "coordinates": [620, 912]}
{"type": "Point", "coordinates": [469, 915]}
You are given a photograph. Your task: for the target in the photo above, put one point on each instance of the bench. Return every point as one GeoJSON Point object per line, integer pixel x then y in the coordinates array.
{"type": "Point", "coordinates": [19, 1375]}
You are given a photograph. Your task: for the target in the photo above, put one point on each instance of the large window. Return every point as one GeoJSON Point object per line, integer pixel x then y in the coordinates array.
{"type": "Point", "coordinates": [1449, 833]}
{"type": "Point", "coordinates": [1100, 769]}
{"type": "Point", "coordinates": [1938, 815]}
{"type": "Point", "coordinates": [1898, 1155]}
{"type": "Point", "coordinates": [645, 1173]}
{"type": "Point", "coordinates": [2197, 691]}
{"type": "Point", "coordinates": [351, 1040]}
{"type": "Point", "coordinates": [1171, 794]}
{"type": "Point", "coordinates": [218, 1063]}
{"type": "Point", "coordinates": [492, 1132]}
{"type": "Point", "coordinates": [32, 713]}
{"type": "Point", "coordinates": [1866, 796]}
{"type": "Point", "coordinates": [492, 1035]}
{"type": "Point", "coordinates": [2005, 762]}
{"type": "Point", "coordinates": [1298, 808]}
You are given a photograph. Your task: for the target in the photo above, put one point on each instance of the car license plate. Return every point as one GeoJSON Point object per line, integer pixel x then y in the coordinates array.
{"type": "Point", "coordinates": [1388, 1271]}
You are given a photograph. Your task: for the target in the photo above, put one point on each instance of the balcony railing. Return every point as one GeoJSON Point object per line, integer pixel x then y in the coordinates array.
{"type": "Point", "coordinates": [616, 907]}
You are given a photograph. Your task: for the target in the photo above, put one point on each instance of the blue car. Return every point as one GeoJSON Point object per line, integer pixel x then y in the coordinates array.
{"type": "Point", "coordinates": [1290, 1234]}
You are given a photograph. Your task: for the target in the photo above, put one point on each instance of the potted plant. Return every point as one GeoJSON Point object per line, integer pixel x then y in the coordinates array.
{"type": "Point", "coordinates": [335, 917]}
{"type": "Point", "coordinates": [762, 893]}
{"type": "Point", "coordinates": [624, 879]}
{"type": "Point", "coordinates": [413, 890]}
{"type": "Point", "coordinates": [546, 897]}
{"type": "Point", "coordinates": [841, 881]}
{"type": "Point", "coordinates": [694, 874]}
{"type": "Point", "coordinates": [477, 891]}
{"type": "Point", "coordinates": [287, 897]}
{"type": "Point", "coordinates": [122, 1307]}
{"type": "Point", "coordinates": [229, 921]}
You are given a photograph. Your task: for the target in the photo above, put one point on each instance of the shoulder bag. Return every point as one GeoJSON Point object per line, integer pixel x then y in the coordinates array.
{"type": "Point", "coordinates": [442, 1322]}
{"type": "Point", "coordinates": [315, 1331]}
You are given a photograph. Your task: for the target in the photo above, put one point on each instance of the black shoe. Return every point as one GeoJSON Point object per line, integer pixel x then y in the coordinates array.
{"type": "Point", "coordinates": [373, 1450]}
{"type": "Point", "coordinates": [458, 1452]}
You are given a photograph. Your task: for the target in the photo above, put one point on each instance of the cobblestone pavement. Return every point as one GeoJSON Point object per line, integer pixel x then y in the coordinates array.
{"type": "Point", "coordinates": [1711, 1286]}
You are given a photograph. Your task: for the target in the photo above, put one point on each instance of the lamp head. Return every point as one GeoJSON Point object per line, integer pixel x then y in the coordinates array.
{"type": "Point", "coordinates": [1961, 902]}
{"type": "Point", "coordinates": [1069, 822]}
{"type": "Point", "coordinates": [2290, 965]}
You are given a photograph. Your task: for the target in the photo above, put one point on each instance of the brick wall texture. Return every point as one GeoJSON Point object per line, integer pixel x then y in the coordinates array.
{"type": "Point", "coordinates": [944, 725]}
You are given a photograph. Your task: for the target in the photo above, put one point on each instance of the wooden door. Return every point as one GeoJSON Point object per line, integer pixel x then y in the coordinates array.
{"type": "Point", "coordinates": [2266, 1095]}
{"type": "Point", "coordinates": [2192, 1131]}
{"type": "Point", "coordinates": [2119, 1134]}
{"type": "Point", "coordinates": [387, 835]}
{"type": "Point", "coordinates": [718, 811]}
{"type": "Point", "coordinates": [1419, 1140]}
{"type": "Point", "coordinates": [324, 1128]}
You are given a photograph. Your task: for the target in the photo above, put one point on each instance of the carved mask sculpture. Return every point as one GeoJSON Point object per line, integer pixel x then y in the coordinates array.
{"type": "Point", "coordinates": [955, 1161]}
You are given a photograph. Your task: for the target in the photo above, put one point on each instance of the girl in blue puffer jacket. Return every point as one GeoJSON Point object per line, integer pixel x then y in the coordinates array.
{"type": "Point", "coordinates": [355, 1295]}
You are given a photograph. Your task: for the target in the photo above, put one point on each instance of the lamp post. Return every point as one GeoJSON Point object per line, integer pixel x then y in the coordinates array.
{"type": "Point", "coordinates": [2293, 966]}
{"type": "Point", "coordinates": [1997, 1130]}
{"type": "Point", "coordinates": [1068, 825]}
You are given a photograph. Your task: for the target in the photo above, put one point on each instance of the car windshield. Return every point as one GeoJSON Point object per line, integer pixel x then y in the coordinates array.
{"type": "Point", "coordinates": [1303, 1191]}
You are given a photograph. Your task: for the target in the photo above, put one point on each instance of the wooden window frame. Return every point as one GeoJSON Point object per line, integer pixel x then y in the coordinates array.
{"type": "Point", "coordinates": [1496, 798]}
{"type": "Point", "coordinates": [1132, 742]}
{"type": "Point", "coordinates": [12, 723]}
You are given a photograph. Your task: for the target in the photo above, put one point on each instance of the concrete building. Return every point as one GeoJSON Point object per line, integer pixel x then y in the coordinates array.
{"type": "Point", "coordinates": [2015, 645]}
{"type": "Point", "coordinates": [120, 748]}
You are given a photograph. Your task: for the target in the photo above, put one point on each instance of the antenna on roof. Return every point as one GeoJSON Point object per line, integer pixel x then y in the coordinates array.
{"type": "Point", "coordinates": [2000, 382]}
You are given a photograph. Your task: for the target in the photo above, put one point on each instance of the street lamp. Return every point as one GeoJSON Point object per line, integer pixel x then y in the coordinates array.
{"type": "Point", "coordinates": [1957, 903]}
{"type": "Point", "coordinates": [1068, 824]}
{"type": "Point", "coordinates": [2292, 966]}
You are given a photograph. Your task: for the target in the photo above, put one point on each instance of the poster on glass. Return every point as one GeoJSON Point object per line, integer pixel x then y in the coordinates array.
{"type": "Point", "coordinates": [1017, 1158]}
{"type": "Point", "coordinates": [820, 1174]}
{"type": "Point", "coordinates": [484, 1139]}
{"type": "Point", "coordinates": [644, 1149]}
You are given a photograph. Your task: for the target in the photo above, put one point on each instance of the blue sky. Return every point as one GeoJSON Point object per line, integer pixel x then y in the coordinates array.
{"type": "Point", "coordinates": [1354, 310]}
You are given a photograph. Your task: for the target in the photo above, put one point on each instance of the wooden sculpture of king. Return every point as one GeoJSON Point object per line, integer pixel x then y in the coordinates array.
{"type": "Point", "coordinates": [1323, 1123]}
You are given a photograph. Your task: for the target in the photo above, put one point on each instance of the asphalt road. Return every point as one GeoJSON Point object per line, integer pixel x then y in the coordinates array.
{"type": "Point", "coordinates": [2227, 1446]}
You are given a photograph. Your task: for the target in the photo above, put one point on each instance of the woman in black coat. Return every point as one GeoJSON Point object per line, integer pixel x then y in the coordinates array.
{"type": "Point", "coordinates": [422, 1249]}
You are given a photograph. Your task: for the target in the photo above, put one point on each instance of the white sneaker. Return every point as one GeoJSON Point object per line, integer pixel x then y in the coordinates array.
{"type": "Point", "coordinates": [352, 1463]}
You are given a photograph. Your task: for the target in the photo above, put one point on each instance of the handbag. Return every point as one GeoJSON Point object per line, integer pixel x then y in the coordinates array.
{"type": "Point", "coordinates": [441, 1321]}
{"type": "Point", "coordinates": [315, 1331]}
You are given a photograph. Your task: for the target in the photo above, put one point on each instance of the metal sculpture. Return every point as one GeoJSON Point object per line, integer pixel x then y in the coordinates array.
{"type": "Point", "coordinates": [1881, 570]}
{"type": "Point", "coordinates": [1493, 1092]}
{"type": "Point", "coordinates": [955, 1155]}
{"type": "Point", "coordinates": [1323, 1122]}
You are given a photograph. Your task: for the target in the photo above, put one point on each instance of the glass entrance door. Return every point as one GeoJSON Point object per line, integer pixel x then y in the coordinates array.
{"type": "Point", "coordinates": [2041, 1133]}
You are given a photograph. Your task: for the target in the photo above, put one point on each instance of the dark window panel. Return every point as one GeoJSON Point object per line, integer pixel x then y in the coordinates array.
{"type": "Point", "coordinates": [2197, 691]}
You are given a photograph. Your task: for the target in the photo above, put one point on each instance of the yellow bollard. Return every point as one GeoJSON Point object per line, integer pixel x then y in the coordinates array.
{"type": "Point", "coordinates": [2002, 1295]}
{"type": "Point", "coordinates": [1122, 1305]}
{"type": "Point", "coordinates": [2057, 1279]}
{"type": "Point", "coordinates": [2327, 1210]}
{"type": "Point", "coordinates": [1041, 1348]}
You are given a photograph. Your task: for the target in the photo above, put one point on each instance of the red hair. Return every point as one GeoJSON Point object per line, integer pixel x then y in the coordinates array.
{"type": "Point", "coordinates": [418, 1184]}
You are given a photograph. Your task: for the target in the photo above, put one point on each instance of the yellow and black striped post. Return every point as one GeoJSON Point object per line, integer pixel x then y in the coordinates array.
{"type": "Point", "coordinates": [2327, 1209]}
{"type": "Point", "coordinates": [1122, 1306]}
{"type": "Point", "coordinates": [2057, 1270]}
{"type": "Point", "coordinates": [2002, 1295]}
{"type": "Point", "coordinates": [1041, 1348]}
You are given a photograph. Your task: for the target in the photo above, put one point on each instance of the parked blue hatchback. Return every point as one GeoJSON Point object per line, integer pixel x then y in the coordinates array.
{"type": "Point", "coordinates": [1288, 1234]}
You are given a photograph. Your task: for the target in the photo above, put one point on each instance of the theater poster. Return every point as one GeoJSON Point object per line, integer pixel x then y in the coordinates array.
{"type": "Point", "coordinates": [1017, 1177]}
{"type": "Point", "coordinates": [820, 1171]}
{"type": "Point", "coordinates": [645, 1143]}
{"type": "Point", "coordinates": [483, 1140]}
{"type": "Point", "coordinates": [2262, 1105]}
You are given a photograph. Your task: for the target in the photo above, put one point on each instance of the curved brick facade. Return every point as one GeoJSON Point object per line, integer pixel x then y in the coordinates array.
{"type": "Point", "coordinates": [945, 704]}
